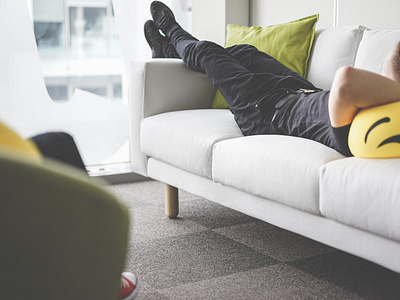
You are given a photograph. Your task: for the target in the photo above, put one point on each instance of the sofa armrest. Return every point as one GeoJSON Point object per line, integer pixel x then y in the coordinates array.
{"type": "Point", "coordinates": [164, 85]}
{"type": "Point", "coordinates": [158, 86]}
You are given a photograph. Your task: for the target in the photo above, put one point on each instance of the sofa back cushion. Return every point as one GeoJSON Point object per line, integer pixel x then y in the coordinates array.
{"type": "Point", "coordinates": [290, 43]}
{"type": "Point", "coordinates": [375, 47]}
{"type": "Point", "coordinates": [332, 49]}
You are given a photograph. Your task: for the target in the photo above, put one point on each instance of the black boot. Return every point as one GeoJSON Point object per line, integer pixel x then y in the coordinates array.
{"type": "Point", "coordinates": [160, 45]}
{"type": "Point", "coordinates": [163, 17]}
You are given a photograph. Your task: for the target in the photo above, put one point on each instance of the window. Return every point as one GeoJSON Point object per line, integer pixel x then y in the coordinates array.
{"type": "Point", "coordinates": [77, 42]}
{"type": "Point", "coordinates": [79, 48]}
{"type": "Point", "coordinates": [81, 63]}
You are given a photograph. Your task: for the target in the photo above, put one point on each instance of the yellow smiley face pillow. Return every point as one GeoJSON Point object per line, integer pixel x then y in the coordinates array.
{"type": "Point", "coordinates": [375, 132]}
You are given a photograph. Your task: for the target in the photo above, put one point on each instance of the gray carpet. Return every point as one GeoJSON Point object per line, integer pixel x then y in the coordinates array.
{"type": "Point", "coordinates": [212, 252]}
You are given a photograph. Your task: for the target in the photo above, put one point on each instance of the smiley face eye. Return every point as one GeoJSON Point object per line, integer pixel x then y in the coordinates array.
{"type": "Point", "coordinates": [379, 122]}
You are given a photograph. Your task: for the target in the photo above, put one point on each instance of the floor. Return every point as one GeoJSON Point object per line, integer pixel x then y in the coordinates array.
{"type": "Point", "coordinates": [212, 252]}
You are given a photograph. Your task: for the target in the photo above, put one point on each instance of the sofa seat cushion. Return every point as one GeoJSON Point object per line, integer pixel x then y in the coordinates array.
{"type": "Point", "coordinates": [363, 193]}
{"type": "Point", "coordinates": [185, 139]}
{"type": "Point", "coordinates": [280, 168]}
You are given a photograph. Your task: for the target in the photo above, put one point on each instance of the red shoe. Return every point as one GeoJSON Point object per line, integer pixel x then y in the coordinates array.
{"type": "Point", "coordinates": [129, 286]}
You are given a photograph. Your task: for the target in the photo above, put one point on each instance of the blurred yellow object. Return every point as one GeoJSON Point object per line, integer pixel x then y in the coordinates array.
{"type": "Point", "coordinates": [63, 236]}
{"type": "Point", "coordinates": [12, 143]}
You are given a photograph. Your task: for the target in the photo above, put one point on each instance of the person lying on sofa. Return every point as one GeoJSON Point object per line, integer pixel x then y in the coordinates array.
{"type": "Point", "coordinates": [60, 146]}
{"type": "Point", "coordinates": [268, 98]}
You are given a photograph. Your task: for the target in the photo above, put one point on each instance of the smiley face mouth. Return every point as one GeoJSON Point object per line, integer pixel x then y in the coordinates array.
{"type": "Point", "coordinates": [392, 139]}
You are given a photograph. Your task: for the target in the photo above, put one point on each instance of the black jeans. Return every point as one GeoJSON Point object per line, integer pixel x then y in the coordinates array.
{"type": "Point", "coordinates": [250, 81]}
{"type": "Point", "coordinates": [254, 84]}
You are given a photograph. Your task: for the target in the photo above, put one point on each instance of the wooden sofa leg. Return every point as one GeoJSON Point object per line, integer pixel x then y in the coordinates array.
{"type": "Point", "coordinates": [171, 201]}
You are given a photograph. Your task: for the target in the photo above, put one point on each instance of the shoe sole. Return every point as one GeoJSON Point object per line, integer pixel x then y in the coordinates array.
{"type": "Point", "coordinates": [162, 15]}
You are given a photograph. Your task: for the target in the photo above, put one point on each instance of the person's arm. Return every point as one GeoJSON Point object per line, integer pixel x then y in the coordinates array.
{"type": "Point", "coordinates": [353, 89]}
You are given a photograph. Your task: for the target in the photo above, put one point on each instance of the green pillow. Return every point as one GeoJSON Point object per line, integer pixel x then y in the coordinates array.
{"type": "Point", "coordinates": [289, 43]}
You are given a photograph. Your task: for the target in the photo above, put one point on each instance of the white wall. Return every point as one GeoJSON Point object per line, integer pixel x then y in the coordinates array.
{"type": "Point", "coordinates": [270, 12]}
{"type": "Point", "coordinates": [375, 14]}
{"type": "Point", "coordinates": [210, 17]}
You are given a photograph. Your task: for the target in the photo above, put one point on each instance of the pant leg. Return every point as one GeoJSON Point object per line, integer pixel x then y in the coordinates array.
{"type": "Point", "coordinates": [251, 95]}
{"type": "Point", "coordinates": [60, 146]}
{"type": "Point", "coordinates": [247, 55]}
{"type": "Point", "coordinates": [260, 62]}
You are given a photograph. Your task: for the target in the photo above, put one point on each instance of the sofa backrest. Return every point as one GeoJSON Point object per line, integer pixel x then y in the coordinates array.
{"type": "Point", "coordinates": [375, 47]}
{"type": "Point", "coordinates": [355, 46]}
{"type": "Point", "coordinates": [332, 49]}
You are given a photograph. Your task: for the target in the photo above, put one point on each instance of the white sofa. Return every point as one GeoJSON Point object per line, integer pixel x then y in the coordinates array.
{"type": "Point", "coordinates": [352, 204]}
